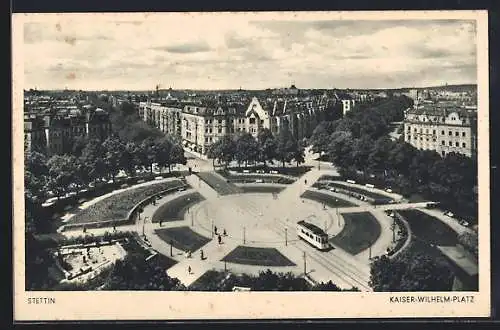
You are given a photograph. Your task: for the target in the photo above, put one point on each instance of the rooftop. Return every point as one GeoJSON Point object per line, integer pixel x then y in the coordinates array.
{"type": "Point", "coordinates": [315, 229]}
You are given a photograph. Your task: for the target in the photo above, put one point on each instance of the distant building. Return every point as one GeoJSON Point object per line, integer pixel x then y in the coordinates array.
{"type": "Point", "coordinates": [53, 133]}
{"type": "Point", "coordinates": [443, 129]}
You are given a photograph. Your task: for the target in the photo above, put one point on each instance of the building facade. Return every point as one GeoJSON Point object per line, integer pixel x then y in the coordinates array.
{"type": "Point", "coordinates": [200, 125]}
{"type": "Point", "coordinates": [444, 130]}
{"type": "Point", "coordinates": [54, 133]}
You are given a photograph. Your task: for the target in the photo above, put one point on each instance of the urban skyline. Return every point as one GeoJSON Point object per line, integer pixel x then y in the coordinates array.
{"type": "Point", "coordinates": [319, 54]}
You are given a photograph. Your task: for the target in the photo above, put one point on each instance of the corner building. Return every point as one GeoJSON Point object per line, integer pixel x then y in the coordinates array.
{"type": "Point", "coordinates": [442, 129]}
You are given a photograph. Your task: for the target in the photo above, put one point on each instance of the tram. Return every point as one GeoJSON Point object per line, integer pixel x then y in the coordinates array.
{"type": "Point", "coordinates": [313, 235]}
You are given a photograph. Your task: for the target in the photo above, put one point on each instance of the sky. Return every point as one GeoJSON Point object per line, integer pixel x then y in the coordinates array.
{"type": "Point", "coordinates": [188, 51]}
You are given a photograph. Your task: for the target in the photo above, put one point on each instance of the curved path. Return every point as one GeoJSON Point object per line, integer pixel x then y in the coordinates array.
{"type": "Point", "coordinates": [268, 223]}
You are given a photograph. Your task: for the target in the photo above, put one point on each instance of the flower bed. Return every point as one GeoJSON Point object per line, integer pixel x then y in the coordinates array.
{"type": "Point", "coordinates": [357, 192]}
{"type": "Point", "coordinates": [259, 178]}
{"type": "Point", "coordinates": [175, 209]}
{"type": "Point", "coordinates": [116, 208]}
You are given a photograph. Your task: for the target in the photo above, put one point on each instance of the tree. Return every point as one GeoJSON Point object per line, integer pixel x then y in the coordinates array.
{"type": "Point", "coordinates": [339, 149]}
{"type": "Point", "coordinates": [93, 159]}
{"type": "Point", "coordinates": [147, 153]}
{"type": "Point", "coordinates": [320, 139]}
{"type": "Point", "coordinates": [130, 158]}
{"type": "Point", "coordinates": [469, 240]}
{"type": "Point", "coordinates": [298, 152]}
{"type": "Point", "coordinates": [410, 272]}
{"type": "Point", "coordinates": [135, 273]}
{"type": "Point", "coordinates": [79, 143]}
{"type": "Point", "coordinates": [246, 148]}
{"type": "Point", "coordinates": [62, 173]}
{"type": "Point", "coordinates": [267, 146]}
{"type": "Point", "coordinates": [223, 150]}
{"type": "Point", "coordinates": [328, 286]}
{"type": "Point", "coordinates": [176, 154]}
{"type": "Point", "coordinates": [377, 159]}
{"type": "Point", "coordinates": [114, 150]}
{"type": "Point", "coordinates": [286, 146]}
{"type": "Point", "coordinates": [35, 175]}
{"type": "Point", "coordinates": [164, 153]}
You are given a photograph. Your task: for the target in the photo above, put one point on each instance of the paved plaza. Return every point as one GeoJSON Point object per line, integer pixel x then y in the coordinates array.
{"type": "Point", "coordinates": [266, 220]}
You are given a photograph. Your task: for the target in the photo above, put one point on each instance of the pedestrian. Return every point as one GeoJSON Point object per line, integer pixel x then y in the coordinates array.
{"type": "Point", "coordinates": [201, 255]}
{"type": "Point", "coordinates": [225, 233]}
{"type": "Point", "coordinates": [215, 230]}
{"type": "Point", "coordinates": [189, 269]}
{"type": "Point", "coordinates": [305, 181]}
{"type": "Point", "coordinates": [161, 222]}
{"type": "Point", "coordinates": [219, 239]}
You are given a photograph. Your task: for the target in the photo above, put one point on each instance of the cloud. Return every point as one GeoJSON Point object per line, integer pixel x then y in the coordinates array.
{"type": "Point", "coordinates": [186, 48]}
{"type": "Point", "coordinates": [203, 51]}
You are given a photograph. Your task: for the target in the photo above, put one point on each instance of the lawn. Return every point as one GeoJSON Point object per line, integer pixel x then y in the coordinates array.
{"type": "Point", "coordinates": [358, 190]}
{"type": "Point", "coordinates": [211, 280]}
{"type": "Point", "coordinates": [175, 209]}
{"type": "Point", "coordinates": [361, 230]}
{"type": "Point", "coordinates": [428, 228]}
{"type": "Point", "coordinates": [251, 178]}
{"type": "Point", "coordinates": [257, 256]}
{"type": "Point", "coordinates": [218, 184]}
{"type": "Point", "coordinates": [291, 171]}
{"type": "Point", "coordinates": [328, 200]}
{"type": "Point", "coordinates": [182, 238]}
{"type": "Point", "coordinates": [117, 207]}
{"type": "Point", "coordinates": [262, 189]}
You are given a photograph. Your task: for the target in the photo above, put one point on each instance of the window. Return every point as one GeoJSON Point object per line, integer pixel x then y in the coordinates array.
{"type": "Point", "coordinates": [463, 134]}
{"type": "Point", "coordinates": [415, 130]}
{"type": "Point", "coordinates": [220, 130]}
{"type": "Point", "coordinates": [443, 153]}
{"type": "Point", "coordinates": [433, 132]}
{"type": "Point", "coordinates": [457, 144]}
{"type": "Point", "coordinates": [252, 120]}
{"type": "Point", "coordinates": [450, 143]}
{"type": "Point", "coordinates": [409, 129]}
{"type": "Point", "coordinates": [426, 131]}
{"type": "Point", "coordinates": [450, 133]}
{"type": "Point", "coordinates": [456, 133]}
{"type": "Point", "coordinates": [409, 137]}
{"type": "Point", "coordinates": [442, 132]}
{"type": "Point", "coordinates": [463, 145]}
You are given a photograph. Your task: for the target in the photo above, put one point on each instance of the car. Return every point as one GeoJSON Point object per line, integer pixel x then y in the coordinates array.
{"type": "Point", "coordinates": [449, 214]}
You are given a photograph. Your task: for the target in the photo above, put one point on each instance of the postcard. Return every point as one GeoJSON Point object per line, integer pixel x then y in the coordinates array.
{"type": "Point", "coordinates": [250, 165]}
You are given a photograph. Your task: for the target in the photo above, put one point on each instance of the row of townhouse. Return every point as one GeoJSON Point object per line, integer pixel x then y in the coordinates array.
{"type": "Point", "coordinates": [200, 125]}
{"type": "Point", "coordinates": [54, 133]}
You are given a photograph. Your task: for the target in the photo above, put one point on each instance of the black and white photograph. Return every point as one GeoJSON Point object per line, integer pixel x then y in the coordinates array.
{"type": "Point", "coordinates": [258, 164]}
